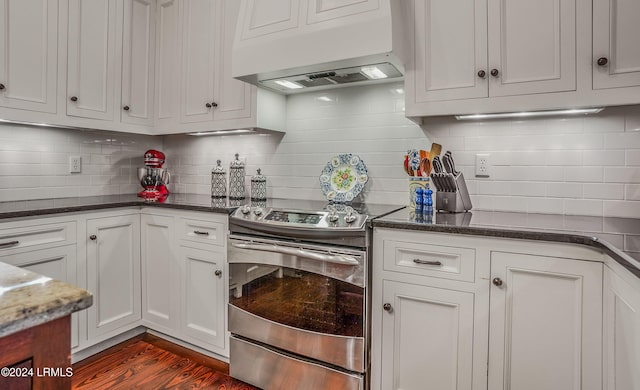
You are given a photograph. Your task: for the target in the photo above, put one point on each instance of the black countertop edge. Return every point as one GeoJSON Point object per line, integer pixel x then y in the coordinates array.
{"type": "Point", "coordinates": [571, 238]}
{"type": "Point", "coordinates": [106, 206]}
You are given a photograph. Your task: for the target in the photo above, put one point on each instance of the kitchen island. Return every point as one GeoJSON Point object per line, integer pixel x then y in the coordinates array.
{"type": "Point", "coordinates": [35, 328]}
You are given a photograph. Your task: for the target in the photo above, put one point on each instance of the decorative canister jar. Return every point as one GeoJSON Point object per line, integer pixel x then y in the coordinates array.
{"type": "Point", "coordinates": [236, 179]}
{"type": "Point", "coordinates": [218, 181]}
{"type": "Point", "coordinates": [258, 187]}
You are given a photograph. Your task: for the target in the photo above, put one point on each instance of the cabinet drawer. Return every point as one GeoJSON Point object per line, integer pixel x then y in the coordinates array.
{"type": "Point", "coordinates": [205, 232]}
{"type": "Point", "coordinates": [22, 238]}
{"type": "Point", "coordinates": [437, 261]}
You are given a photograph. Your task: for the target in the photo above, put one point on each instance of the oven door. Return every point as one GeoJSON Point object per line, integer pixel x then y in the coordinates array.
{"type": "Point", "coordinates": [305, 299]}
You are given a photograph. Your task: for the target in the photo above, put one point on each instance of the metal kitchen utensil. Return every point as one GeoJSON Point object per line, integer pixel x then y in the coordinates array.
{"type": "Point", "coordinates": [437, 165]}
{"type": "Point", "coordinates": [446, 162]}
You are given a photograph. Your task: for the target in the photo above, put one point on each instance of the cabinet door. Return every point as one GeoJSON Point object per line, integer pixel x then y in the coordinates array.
{"type": "Point", "coordinates": [57, 263]}
{"type": "Point", "coordinates": [138, 50]}
{"type": "Point", "coordinates": [545, 323]}
{"type": "Point", "coordinates": [168, 29]}
{"type": "Point", "coordinates": [450, 50]}
{"type": "Point", "coordinates": [113, 273]}
{"type": "Point", "coordinates": [91, 62]}
{"type": "Point", "coordinates": [621, 332]}
{"type": "Point", "coordinates": [203, 296]}
{"type": "Point", "coordinates": [28, 54]}
{"type": "Point", "coordinates": [233, 97]}
{"type": "Point", "coordinates": [199, 30]}
{"type": "Point", "coordinates": [532, 46]}
{"type": "Point", "coordinates": [615, 38]}
{"type": "Point", "coordinates": [159, 270]}
{"type": "Point", "coordinates": [423, 319]}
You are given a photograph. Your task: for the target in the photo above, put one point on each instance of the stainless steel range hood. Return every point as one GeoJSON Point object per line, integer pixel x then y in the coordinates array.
{"type": "Point", "coordinates": [294, 46]}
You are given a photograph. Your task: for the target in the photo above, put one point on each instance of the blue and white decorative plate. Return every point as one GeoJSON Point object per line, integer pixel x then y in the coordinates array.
{"type": "Point", "coordinates": [343, 178]}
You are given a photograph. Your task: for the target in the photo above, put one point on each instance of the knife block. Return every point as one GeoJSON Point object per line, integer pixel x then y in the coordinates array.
{"type": "Point", "coordinates": [457, 201]}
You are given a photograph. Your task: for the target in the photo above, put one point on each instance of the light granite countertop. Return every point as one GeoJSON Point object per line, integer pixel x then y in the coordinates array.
{"type": "Point", "coordinates": [28, 299]}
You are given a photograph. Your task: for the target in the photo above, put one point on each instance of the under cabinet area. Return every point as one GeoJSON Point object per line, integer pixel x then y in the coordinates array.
{"type": "Point", "coordinates": [528, 308]}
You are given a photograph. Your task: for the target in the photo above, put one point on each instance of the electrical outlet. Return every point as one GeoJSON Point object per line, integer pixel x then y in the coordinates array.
{"type": "Point", "coordinates": [482, 165]}
{"type": "Point", "coordinates": [75, 164]}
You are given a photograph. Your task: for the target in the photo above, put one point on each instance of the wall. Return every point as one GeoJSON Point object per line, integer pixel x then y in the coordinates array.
{"type": "Point", "coordinates": [368, 121]}
{"type": "Point", "coordinates": [34, 162]}
{"type": "Point", "coordinates": [582, 165]}
{"type": "Point", "coordinates": [576, 165]}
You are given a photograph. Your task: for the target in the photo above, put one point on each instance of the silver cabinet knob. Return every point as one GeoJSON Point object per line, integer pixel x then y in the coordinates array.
{"type": "Point", "coordinates": [218, 273]}
{"type": "Point", "coordinates": [387, 307]}
{"type": "Point", "coordinates": [497, 282]}
{"type": "Point", "coordinates": [93, 237]}
{"type": "Point", "coordinates": [495, 72]}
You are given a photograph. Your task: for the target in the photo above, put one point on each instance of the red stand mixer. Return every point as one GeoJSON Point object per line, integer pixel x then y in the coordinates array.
{"type": "Point", "coordinates": [153, 177]}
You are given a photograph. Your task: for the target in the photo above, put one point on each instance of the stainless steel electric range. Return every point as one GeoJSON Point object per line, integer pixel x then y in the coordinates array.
{"type": "Point", "coordinates": [299, 294]}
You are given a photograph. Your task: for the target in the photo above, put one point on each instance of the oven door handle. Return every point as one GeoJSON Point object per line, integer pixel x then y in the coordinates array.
{"type": "Point", "coordinates": [336, 259]}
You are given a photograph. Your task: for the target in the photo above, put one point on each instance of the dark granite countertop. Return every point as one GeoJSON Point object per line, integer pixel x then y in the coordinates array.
{"type": "Point", "coordinates": [618, 237]}
{"type": "Point", "coordinates": [28, 299]}
{"type": "Point", "coordinates": [28, 208]}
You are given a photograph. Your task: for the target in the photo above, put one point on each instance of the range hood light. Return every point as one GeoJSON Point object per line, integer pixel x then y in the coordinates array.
{"type": "Point", "coordinates": [373, 72]}
{"type": "Point", "coordinates": [288, 84]}
{"type": "Point", "coordinates": [223, 132]}
{"type": "Point", "coordinates": [530, 114]}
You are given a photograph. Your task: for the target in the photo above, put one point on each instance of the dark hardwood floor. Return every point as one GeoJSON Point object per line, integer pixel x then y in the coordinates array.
{"type": "Point", "coordinates": [149, 362]}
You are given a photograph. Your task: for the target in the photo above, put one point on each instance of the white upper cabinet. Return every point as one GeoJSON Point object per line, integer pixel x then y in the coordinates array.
{"type": "Point", "coordinates": [471, 49]}
{"type": "Point", "coordinates": [616, 50]}
{"type": "Point", "coordinates": [138, 51]}
{"type": "Point", "coordinates": [453, 50]}
{"type": "Point", "coordinates": [198, 53]}
{"type": "Point", "coordinates": [168, 26]}
{"type": "Point", "coordinates": [28, 54]}
{"type": "Point", "coordinates": [91, 61]}
{"type": "Point", "coordinates": [532, 46]}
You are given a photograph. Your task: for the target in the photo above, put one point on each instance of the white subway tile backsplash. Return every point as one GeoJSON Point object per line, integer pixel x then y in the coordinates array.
{"type": "Point", "coordinates": [603, 191]}
{"type": "Point", "coordinates": [623, 209]}
{"type": "Point", "coordinates": [576, 165]}
{"type": "Point", "coordinates": [632, 192]}
{"type": "Point", "coordinates": [583, 207]}
{"type": "Point", "coordinates": [629, 175]}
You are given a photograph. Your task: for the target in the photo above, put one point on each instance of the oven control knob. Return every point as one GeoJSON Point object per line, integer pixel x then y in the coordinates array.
{"type": "Point", "coordinates": [245, 209]}
{"type": "Point", "coordinates": [350, 217]}
{"type": "Point", "coordinates": [258, 211]}
{"type": "Point", "coordinates": [333, 217]}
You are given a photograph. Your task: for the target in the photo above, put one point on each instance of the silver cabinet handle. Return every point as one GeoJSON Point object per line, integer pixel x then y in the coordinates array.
{"type": "Point", "coordinates": [198, 232]}
{"type": "Point", "coordinates": [337, 259]}
{"type": "Point", "coordinates": [9, 244]}
{"type": "Point", "coordinates": [426, 262]}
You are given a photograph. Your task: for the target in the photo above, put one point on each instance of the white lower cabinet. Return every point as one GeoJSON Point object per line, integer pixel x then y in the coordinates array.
{"type": "Point", "coordinates": [113, 274]}
{"type": "Point", "coordinates": [546, 323]}
{"type": "Point", "coordinates": [427, 337]}
{"type": "Point", "coordinates": [621, 329]}
{"type": "Point", "coordinates": [184, 277]}
{"type": "Point", "coordinates": [528, 316]}
{"type": "Point", "coordinates": [202, 316]}
{"type": "Point", "coordinates": [159, 270]}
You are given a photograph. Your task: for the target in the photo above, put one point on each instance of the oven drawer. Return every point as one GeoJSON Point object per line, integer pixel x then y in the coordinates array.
{"type": "Point", "coordinates": [37, 236]}
{"type": "Point", "coordinates": [271, 369]}
{"type": "Point", "coordinates": [204, 232]}
{"type": "Point", "coordinates": [437, 261]}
